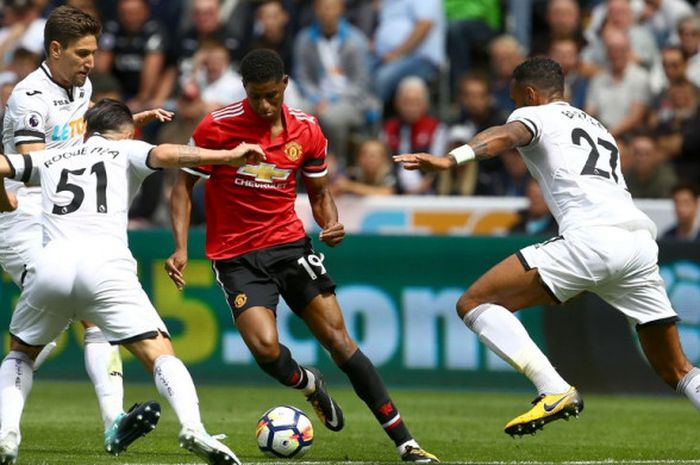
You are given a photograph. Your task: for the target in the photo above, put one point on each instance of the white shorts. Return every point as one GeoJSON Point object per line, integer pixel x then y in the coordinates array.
{"type": "Point", "coordinates": [618, 265]}
{"type": "Point", "coordinates": [20, 243]}
{"type": "Point", "coordinates": [93, 281]}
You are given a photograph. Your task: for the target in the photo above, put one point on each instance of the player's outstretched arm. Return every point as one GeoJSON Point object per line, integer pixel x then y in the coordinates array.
{"type": "Point", "coordinates": [148, 116]}
{"type": "Point", "coordinates": [8, 201]}
{"type": "Point", "coordinates": [185, 156]}
{"type": "Point", "coordinates": [324, 210]}
{"type": "Point", "coordinates": [180, 211]}
{"type": "Point", "coordinates": [486, 144]}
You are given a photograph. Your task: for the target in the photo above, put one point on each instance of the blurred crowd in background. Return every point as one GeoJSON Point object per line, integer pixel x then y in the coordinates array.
{"type": "Point", "coordinates": [394, 76]}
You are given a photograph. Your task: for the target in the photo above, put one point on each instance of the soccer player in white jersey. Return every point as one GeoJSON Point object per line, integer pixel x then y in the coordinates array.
{"type": "Point", "coordinates": [86, 270]}
{"type": "Point", "coordinates": [606, 244]}
{"type": "Point", "coordinates": [45, 110]}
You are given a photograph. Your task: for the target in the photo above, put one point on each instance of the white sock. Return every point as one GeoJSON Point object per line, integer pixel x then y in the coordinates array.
{"type": "Point", "coordinates": [310, 386]}
{"type": "Point", "coordinates": [44, 354]}
{"type": "Point", "coordinates": [104, 367]}
{"type": "Point", "coordinates": [506, 336]}
{"type": "Point", "coordinates": [174, 382]}
{"type": "Point", "coordinates": [16, 376]}
{"type": "Point", "coordinates": [690, 386]}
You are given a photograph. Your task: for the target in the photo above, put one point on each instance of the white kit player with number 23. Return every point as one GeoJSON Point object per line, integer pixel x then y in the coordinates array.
{"type": "Point", "coordinates": [606, 245]}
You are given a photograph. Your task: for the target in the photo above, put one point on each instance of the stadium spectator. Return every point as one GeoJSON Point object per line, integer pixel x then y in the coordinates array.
{"type": "Point", "coordinates": [260, 250]}
{"type": "Point", "coordinates": [372, 173]}
{"type": "Point", "coordinates": [565, 52]}
{"type": "Point", "coordinates": [678, 125]}
{"type": "Point", "coordinates": [505, 53]}
{"type": "Point", "coordinates": [536, 219]}
{"type": "Point", "coordinates": [689, 36]}
{"type": "Point", "coordinates": [674, 68]}
{"type": "Point", "coordinates": [476, 110]}
{"type": "Point", "coordinates": [362, 14]}
{"type": "Point", "coordinates": [685, 205]}
{"type": "Point", "coordinates": [563, 20]}
{"type": "Point", "coordinates": [105, 86]}
{"type": "Point", "coordinates": [510, 179]}
{"type": "Point", "coordinates": [469, 26]}
{"type": "Point", "coordinates": [414, 130]}
{"type": "Point", "coordinates": [662, 16]}
{"type": "Point", "coordinates": [619, 16]}
{"type": "Point", "coordinates": [648, 174]}
{"type": "Point", "coordinates": [460, 181]}
{"type": "Point", "coordinates": [272, 30]}
{"type": "Point", "coordinates": [619, 96]}
{"type": "Point", "coordinates": [132, 48]}
{"type": "Point", "coordinates": [207, 26]}
{"type": "Point", "coordinates": [22, 63]}
{"type": "Point", "coordinates": [409, 41]}
{"type": "Point", "coordinates": [23, 28]}
{"type": "Point", "coordinates": [332, 69]}
{"type": "Point", "coordinates": [215, 78]}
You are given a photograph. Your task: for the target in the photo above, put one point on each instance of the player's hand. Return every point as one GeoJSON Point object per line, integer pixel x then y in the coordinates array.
{"type": "Point", "coordinates": [174, 266]}
{"type": "Point", "coordinates": [424, 162]}
{"type": "Point", "coordinates": [332, 235]}
{"type": "Point", "coordinates": [157, 114]}
{"type": "Point", "coordinates": [247, 153]}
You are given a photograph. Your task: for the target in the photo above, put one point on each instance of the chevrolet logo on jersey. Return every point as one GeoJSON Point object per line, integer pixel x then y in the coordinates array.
{"type": "Point", "coordinates": [265, 172]}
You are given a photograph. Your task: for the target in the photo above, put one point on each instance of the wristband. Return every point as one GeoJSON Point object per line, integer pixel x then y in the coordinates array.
{"type": "Point", "coordinates": [463, 154]}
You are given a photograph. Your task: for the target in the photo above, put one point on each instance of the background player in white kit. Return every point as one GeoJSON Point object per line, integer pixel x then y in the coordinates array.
{"type": "Point", "coordinates": [86, 270]}
{"type": "Point", "coordinates": [45, 110]}
{"type": "Point", "coordinates": [606, 244]}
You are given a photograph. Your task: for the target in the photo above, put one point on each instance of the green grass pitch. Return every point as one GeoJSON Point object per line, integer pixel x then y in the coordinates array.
{"type": "Point", "coordinates": [61, 426]}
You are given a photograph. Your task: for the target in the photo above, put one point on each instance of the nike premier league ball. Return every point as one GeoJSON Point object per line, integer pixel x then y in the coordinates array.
{"type": "Point", "coordinates": [285, 432]}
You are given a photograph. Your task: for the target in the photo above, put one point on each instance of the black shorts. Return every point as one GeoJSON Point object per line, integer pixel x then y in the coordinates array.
{"type": "Point", "coordinates": [257, 278]}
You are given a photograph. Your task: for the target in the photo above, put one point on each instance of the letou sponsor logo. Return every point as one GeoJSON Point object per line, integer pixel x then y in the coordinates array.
{"type": "Point", "coordinates": [265, 172]}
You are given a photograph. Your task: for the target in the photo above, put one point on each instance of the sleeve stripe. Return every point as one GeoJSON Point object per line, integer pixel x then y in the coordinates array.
{"type": "Point", "coordinates": [12, 168]}
{"type": "Point", "coordinates": [196, 172]}
{"type": "Point", "coordinates": [535, 134]}
{"type": "Point", "coordinates": [30, 133]}
{"type": "Point", "coordinates": [27, 168]}
{"type": "Point", "coordinates": [312, 174]}
{"type": "Point", "coordinates": [313, 162]}
{"type": "Point", "coordinates": [148, 161]}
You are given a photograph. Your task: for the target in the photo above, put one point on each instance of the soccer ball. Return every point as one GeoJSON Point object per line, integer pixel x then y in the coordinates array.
{"type": "Point", "coordinates": [285, 432]}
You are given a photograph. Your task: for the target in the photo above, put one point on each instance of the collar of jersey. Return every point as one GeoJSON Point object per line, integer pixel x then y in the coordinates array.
{"type": "Point", "coordinates": [45, 68]}
{"type": "Point", "coordinates": [263, 124]}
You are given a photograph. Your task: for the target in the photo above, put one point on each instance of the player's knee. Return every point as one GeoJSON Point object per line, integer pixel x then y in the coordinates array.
{"type": "Point", "coordinates": [264, 349]}
{"type": "Point", "coordinates": [339, 344]}
{"type": "Point", "coordinates": [466, 303]}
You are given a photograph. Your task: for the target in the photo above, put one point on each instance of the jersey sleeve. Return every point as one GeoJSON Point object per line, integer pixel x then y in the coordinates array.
{"type": "Point", "coordinates": [25, 168]}
{"type": "Point", "coordinates": [138, 153]}
{"type": "Point", "coordinates": [206, 135]}
{"type": "Point", "coordinates": [530, 118]}
{"type": "Point", "coordinates": [27, 113]}
{"type": "Point", "coordinates": [314, 164]}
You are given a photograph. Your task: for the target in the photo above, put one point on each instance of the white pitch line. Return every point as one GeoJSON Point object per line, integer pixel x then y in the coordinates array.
{"type": "Point", "coordinates": [502, 462]}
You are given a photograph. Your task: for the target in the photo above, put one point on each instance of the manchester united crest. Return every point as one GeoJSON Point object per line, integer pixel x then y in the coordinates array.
{"type": "Point", "coordinates": [240, 300]}
{"type": "Point", "coordinates": [293, 150]}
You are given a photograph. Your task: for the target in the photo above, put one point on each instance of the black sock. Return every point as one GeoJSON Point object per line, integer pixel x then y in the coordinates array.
{"type": "Point", "coordinates": [370, 387]}
{"type": "Point", "coordinates": [286, 370]}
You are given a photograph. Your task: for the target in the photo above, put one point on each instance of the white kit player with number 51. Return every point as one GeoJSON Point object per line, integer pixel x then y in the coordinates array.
{"type": "Point", "coordinates": [606, 245]}
{"type": "Point", "coordinates": [86, 271]}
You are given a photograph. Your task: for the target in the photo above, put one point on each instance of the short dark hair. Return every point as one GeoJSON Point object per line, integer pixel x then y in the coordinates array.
{"type": "Point", "coordinates": [108, 115]}
{"type": "Point", "coordinates": [66, 24]}
{"type": "Point", "coordinates": [543, 73]}
{"type": "Point", "coordinates": [685, 185]}
{"type": "Point", "coordinates": [262, 65]}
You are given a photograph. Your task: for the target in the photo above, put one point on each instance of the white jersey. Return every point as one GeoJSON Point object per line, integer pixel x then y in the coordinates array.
{"type": "Point", "coordinates": [40, 110]}
{"type": "Point", "coordinates": [576, 162]}
{"type": "Point", "coordinates": [86, 190]}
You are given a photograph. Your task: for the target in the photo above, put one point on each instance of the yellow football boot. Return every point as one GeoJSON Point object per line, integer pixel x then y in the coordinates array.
{"type": "Point", "coordinates": [546, 408]}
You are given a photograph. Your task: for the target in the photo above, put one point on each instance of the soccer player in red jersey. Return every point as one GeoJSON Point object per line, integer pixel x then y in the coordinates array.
{"type": "Point", "coordinates": [260, 250]}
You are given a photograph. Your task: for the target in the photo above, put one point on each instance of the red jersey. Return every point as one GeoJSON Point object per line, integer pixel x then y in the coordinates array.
{"type": "Point", "coordinates": [252, 207]}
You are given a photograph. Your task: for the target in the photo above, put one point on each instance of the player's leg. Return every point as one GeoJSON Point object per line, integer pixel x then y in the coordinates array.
{"type": "Point", "coordinates": [325, 320]}
{"type": "Point", "coordinates": [174, 383]}
{"type": "Point", "coordinates": [252, 296]}
{"type": "Point", "coordinates": [487, 309]}
{"type": "Point", "coordinates": [16, 378]}
{"type": "Point", "coordinates": [104, 367]}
